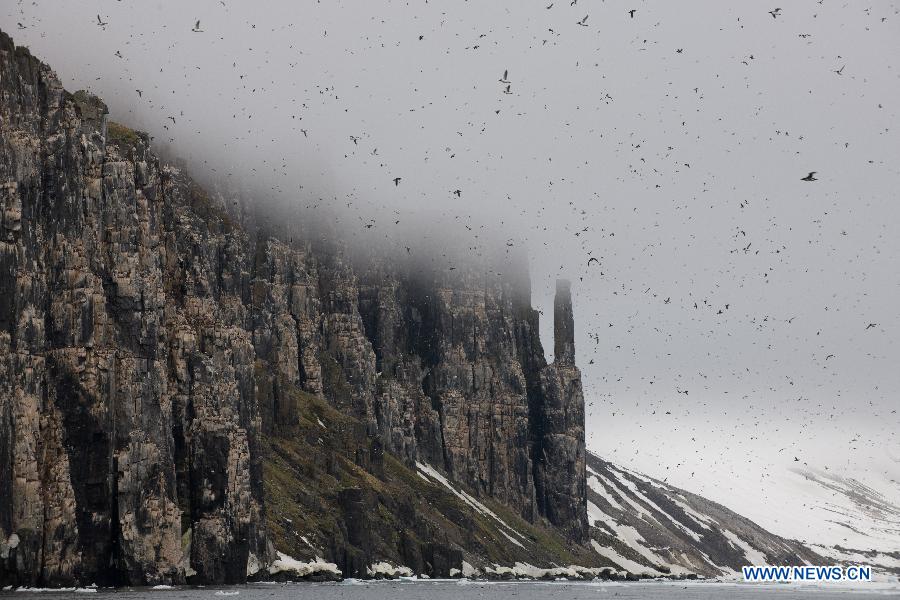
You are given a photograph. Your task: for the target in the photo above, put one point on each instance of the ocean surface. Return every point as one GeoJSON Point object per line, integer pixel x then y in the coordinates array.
{"type": "Point", "coordinates": [477, 590]}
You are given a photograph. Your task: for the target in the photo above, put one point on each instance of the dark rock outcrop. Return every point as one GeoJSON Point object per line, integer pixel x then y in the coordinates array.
{"type": "Point", "coordinates": [151, 342]}
{"type": "Point", "coordinates": [561, 466]}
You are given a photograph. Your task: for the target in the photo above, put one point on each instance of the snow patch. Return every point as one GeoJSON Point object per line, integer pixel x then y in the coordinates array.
{"type": "Point", "coordinates": [253, 565]}
{"type": "Point", "coordinates": [701, 520]}
{"type": "Point", "coordinates": [846, 555]}
{"type": "Point", "coordinates": [288, 564]}
{"type": "Point", "coordinates": [601, 489]}
{"type": "Point", "coordinates": [386, 569]}
{"type": "Point", "coordinates": [472, 502]}
{"type": "Point", "coordinates": [595, 514]}
{"type": "Point", "coordinates": [468, 570]}
{"type": "Point", "coordinates": [308, 543]}
{"type": "Point", "coordinates": [632, 487]}
{"type": "Point", "coordinates": [528, 571]}
{"type": "Point", "coordinates": [754, 557]}
{"type": "Point", "coordinates": [625, 563]}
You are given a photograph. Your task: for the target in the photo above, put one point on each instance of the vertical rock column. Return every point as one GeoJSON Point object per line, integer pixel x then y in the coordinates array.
{"type": "Point", "coordinates": [563, 325]}
{"type": "Point", "coordinates": [560, 470]}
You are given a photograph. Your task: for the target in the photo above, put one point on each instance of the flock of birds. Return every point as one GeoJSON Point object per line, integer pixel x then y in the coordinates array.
{"type": "Point", "coordinates": [587, 219]}
{"type": "Point", "coordinates": [504, 79]}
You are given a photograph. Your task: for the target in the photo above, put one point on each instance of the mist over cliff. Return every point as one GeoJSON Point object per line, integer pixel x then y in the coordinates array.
{"type": "Point", "coordinates": [162, 362]}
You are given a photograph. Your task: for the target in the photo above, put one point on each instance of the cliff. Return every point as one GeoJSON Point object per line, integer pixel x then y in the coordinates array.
{"type": "Point", "coordinates": [182, 396]}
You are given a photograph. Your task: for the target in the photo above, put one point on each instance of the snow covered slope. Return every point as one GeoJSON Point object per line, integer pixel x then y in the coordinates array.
{"type": "Point", "coordinates": [647, 526]}
{"type": "Point", "coordinates": [841, 511]}
{"type": "Point", "coordinates": [845, 519]}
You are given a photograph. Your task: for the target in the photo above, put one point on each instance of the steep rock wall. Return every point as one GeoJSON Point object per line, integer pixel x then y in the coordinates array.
{"type": "Point", "coordinates": [134, 314]}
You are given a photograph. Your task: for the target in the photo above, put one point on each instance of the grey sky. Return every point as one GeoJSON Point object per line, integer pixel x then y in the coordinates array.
{"type": "Point", "coordinates": [669, 145]}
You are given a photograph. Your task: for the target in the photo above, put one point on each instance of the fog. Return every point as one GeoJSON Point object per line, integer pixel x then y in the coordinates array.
{"type": "Point", "coordinates": [726, 329]}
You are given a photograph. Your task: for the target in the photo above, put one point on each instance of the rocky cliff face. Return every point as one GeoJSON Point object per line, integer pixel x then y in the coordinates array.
{"type": "Point", "coordinates": [150, 346]}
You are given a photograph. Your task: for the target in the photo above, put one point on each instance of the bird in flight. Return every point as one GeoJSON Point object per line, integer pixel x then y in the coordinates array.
{"type": "Point", "coordinates": [593, 258]}
{"type": "Point", "coordinates": [196, 28]}
{"type": "Point", "coordinates": [457, 193]}
{"type": "Point", "coordinates": [810, 177]}
{"type": "Point", "coordinates": [100, 21]}
{"type": "Point", "coordinates": [632, 11]}
{"type": "Point", "coordinates": [775, 13]}
{"type": "Point", "coordinates": [505, 76]}
{"type": "Point", "coordinates": [871, 325]}
{"type": "Point", "coordinates": [583, 22]}
{"type": "Point", "coordinates": [397, 181]}
{"type": "Point", "coordinates": [840, 71]}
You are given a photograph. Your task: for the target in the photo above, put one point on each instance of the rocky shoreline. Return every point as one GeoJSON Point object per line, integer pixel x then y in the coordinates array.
{"type": "Point", "coordinates": [572, 574]}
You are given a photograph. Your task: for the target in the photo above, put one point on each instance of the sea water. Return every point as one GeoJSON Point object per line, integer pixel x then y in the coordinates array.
{"type": "Point", "coordinates": [482, 590]}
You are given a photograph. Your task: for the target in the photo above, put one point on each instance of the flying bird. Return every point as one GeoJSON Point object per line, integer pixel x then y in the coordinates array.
{"type": "Point", "coordinates": [593, 258]}
{"type": "Point", "coordinates": [583, 22]}
{"type": "Point", "coordinates": [100, 21]}
{"type": "Point", "coordinates": [775, 13]}
{"type": "Point", "coordinates": [458, 193]}
{"type": "Point", "coordinates": [810, 177]}
{"type": "Point", "coordinates": [632, 11]}
{"type": "Point", "coordinates": [841, 70]}
{"type": "Point", "coordinates": [505, 76]}
{"type": "Point", "coordinates": [397, 181]}
{"type": "Point", "coordinates": [871, 325]}
{"type": "Point", "coordinates": [196, 28]}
